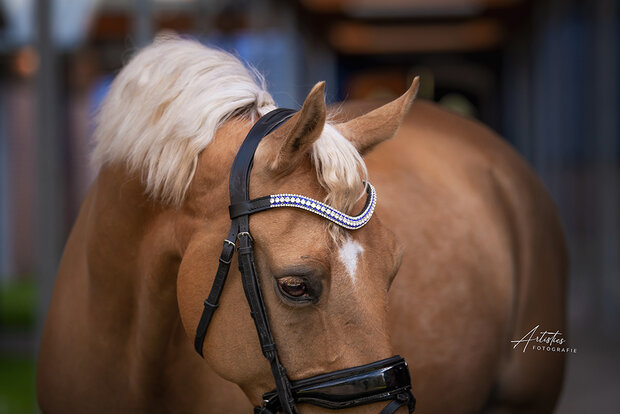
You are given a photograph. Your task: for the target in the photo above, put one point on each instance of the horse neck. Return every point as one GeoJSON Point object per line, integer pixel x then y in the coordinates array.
{"type": "Point", "coordinates": [135, 245]}
{"type": "Point", "coordinates": [132, 265]}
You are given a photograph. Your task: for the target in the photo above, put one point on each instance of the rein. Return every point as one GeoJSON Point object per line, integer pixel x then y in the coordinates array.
{"type": "Point", "coordinates": [385, 380]}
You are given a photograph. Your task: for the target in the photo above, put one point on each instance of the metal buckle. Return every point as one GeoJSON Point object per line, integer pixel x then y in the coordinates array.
{"type": "Point", "coordinates": [244, 233]}
{"type": "Point", "coordinates": [234, 246]}
{"type": "Point", "coordinates": [267, 405]}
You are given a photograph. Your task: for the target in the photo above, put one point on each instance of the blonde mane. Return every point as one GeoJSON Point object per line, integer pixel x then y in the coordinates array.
{"type": "Point", "coordinates": [166, 104]}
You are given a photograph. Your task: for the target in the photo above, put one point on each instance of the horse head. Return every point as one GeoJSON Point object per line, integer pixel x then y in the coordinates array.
{"type": "Point", "coordinates": [325, 288]}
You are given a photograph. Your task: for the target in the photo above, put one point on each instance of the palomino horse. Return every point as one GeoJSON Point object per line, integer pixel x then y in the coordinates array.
{"type": "Point", "coordinates": [461, 220]}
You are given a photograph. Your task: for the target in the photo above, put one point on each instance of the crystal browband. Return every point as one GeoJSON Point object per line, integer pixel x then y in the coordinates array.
{"type": "Point", "coordinates": [322, 209]}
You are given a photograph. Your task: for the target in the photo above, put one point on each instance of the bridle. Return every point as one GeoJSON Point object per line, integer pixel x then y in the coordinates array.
{"type": "Point", "coordinates": [384, 380]}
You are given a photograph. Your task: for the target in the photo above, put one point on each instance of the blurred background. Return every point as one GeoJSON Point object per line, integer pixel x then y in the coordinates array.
{"type": "Point", "coordinates": [544, 74]}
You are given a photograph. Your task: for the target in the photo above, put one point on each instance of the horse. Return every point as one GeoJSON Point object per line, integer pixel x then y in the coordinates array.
{"type": "Point", "coordinates": [464, 252]}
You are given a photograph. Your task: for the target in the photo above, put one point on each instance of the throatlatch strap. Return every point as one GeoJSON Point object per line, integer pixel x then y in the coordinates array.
{"type": "Point", "coordinates": [212, 301]}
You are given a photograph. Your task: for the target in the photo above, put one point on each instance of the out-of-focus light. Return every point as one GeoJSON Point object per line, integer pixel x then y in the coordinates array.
{"type": "Point", "coordinates": [458, 103]}
{"type": "Point", "coordinates": [19, 15]}
{"type": "Point", "coordinates": [70, 21]}
{"type": "Point", "coordinates": [26, 62]}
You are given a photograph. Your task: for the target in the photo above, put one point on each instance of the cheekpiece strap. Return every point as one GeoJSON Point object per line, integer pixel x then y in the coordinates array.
{"type": "Point", "coordinates": [239, 190]}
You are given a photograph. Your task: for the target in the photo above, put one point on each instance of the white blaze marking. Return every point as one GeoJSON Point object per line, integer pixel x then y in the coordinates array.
{"type": "Point", "coordinates": [348, 254]}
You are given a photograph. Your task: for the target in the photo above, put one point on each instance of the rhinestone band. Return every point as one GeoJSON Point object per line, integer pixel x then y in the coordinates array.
{"type": "Point", "coordinates": [322, 209]}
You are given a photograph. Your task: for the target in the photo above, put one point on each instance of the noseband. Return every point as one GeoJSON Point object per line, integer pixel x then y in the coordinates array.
{"type": "Point", "coordinates": [385, 380]}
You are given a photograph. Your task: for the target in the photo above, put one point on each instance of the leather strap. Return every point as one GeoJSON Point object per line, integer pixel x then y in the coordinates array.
{"type": "Point", "coordinates": [379, 381]}
{"type": "Point", "coordinates": [239, 186]}
{"type": "Point", "coordinates": [240, 174]}
{"type": "Point", "coordinates": [212, 301]}
{"type": "Point", "coordinates": [401, 400]}
{"type": "Point", "coordinates": [251, 287]}
{"type": "Point", "coordinates": [249, 207]}
{"type": "Point", "coordinates": [240, 209]}
{"type": "Point", "coordinates": [239, 183]}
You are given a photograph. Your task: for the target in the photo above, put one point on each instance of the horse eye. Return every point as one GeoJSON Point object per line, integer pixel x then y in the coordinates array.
{"type": "Point", "coordinates": [294, 287]}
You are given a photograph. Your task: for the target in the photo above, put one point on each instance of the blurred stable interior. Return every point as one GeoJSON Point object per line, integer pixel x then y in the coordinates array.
{"type": "Point", "coordinates": [544, 74]}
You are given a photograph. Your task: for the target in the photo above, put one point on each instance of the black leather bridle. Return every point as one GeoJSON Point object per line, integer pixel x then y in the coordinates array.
{"type": "Point", "coordinates": [385, 380]}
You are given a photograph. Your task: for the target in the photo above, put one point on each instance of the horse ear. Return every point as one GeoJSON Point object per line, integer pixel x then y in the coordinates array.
{"type": "Point", "coordinates": [295, 137]}
{"type": "Point", "coordinates": [381, 124]}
